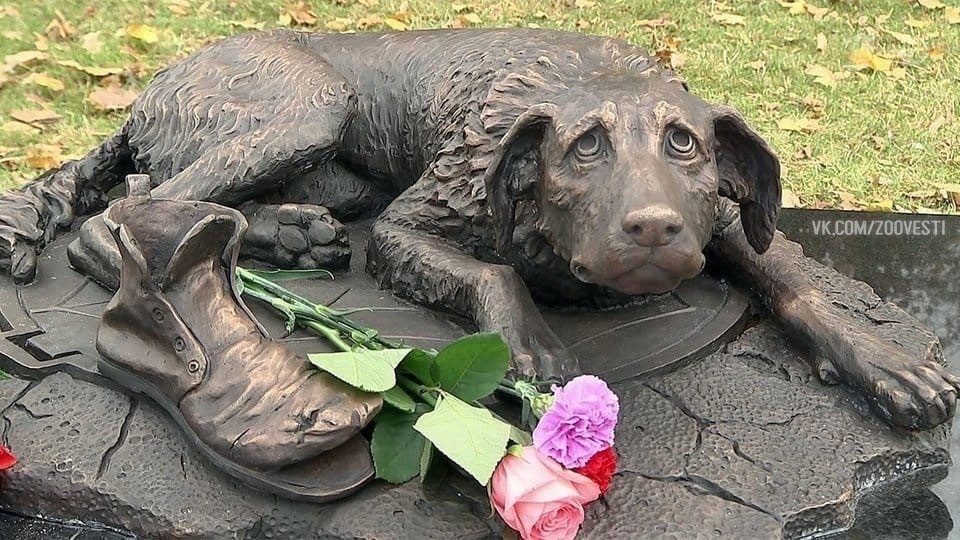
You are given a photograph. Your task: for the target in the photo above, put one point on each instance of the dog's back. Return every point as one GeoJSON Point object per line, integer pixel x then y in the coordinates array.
{"type": "Point", "coordinates": [426, 93]}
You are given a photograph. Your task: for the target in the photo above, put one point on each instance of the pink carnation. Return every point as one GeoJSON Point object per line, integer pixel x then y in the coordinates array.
{"type": "Point", "coordinates": [580, 422]}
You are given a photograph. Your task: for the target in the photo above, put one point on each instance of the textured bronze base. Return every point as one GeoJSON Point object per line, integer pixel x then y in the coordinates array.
{"type": "Point", "coordinates": [746, 442]}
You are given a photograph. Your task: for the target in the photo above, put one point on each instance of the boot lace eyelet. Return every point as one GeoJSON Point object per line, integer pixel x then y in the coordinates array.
{"type": "Point", "coordinates": [157, 315]}
{"type": "Point", "coordinates": [179, 344]}
{"type": "Point", "coordinates": [193, 366]}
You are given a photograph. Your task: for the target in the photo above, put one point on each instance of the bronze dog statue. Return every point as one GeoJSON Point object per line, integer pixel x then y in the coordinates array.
{"type": "Point", "coordinates": [512, 165]}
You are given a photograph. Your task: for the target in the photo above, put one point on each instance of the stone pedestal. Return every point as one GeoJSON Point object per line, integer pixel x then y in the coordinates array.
{"type": "Point", "coordinates": [739, 442]}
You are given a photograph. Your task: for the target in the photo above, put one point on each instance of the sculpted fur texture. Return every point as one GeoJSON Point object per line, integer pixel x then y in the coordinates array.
{"type": "Point", "coordinates": [503, 167]}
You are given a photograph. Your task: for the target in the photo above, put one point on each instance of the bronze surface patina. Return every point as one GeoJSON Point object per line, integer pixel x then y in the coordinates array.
{"type": "Point", "coordinates": [505, 166]}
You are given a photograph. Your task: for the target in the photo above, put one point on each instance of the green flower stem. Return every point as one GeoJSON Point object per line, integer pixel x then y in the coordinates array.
{"type": "Point", "coordinates": [508, 389]}
{"type": "Point", "coordinates": [303, 310]}
{"type": "Point", "coordinates": [329, 333]}
{"type": "Point", "coordinates": [271, 287]}
{"type": "Point", "coordinates": [423, 392]}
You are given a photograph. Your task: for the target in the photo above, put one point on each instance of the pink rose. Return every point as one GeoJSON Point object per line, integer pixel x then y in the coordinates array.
{"type": "Point", "coordinates": [538, 497]}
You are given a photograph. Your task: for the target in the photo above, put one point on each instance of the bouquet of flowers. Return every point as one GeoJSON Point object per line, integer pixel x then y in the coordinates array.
{"type": "Point", "coordinates": [540, 490]}
{"type": "Point", "coordinates": [537, 483]}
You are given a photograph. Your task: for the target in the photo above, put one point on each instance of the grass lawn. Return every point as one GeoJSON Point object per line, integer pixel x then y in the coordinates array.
{"type": "Point", "coordinates": [859, 97]}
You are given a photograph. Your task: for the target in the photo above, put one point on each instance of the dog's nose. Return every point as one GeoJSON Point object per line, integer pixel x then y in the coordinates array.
{"type": "Point", "coordinates": [653, 225]}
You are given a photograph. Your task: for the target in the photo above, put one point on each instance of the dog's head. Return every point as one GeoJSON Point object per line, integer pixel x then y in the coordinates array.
{"type": "Point", "coordinates": [625, 171]}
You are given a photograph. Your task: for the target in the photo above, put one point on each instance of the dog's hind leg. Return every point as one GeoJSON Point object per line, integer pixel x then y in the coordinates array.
{"type": "Point", "coordinates": [347, 194]}
{"type": "Point", "coordinates": [230, 174]}
{"type": "Point", "coordinates": [304, 132]}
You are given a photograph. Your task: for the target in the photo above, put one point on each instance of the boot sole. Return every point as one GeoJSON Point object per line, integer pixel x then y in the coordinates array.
{"type": "Point", "coordinates": [321, 479]}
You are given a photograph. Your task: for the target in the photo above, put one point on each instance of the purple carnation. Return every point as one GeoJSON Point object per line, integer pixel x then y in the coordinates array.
{"type": "Point", "coordinates": [580, 423]}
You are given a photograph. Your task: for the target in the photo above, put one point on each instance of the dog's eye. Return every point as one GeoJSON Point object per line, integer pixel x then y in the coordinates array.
{"type": "Point", "coordinates": [588, 146]}
{"type": "Point", "coordinates": [681, 144]}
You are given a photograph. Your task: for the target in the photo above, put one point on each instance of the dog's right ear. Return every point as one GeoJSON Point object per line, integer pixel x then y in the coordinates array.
{"type": "Point", "coordinates": [516, 167]}
{"type": "Point", "coordinates": [749, 175]}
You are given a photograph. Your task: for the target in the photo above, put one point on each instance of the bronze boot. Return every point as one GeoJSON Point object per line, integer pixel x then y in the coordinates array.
{"type": "Point", "coordinates": [178, 331]}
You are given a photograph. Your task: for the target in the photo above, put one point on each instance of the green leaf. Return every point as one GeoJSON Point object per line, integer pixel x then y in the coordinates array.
{"type": "Point", "coordinates": [371, 371]}
{"type": "Point", "coordinates": [396, 447]}
{"type": "Point", "coordinates": [469, 436]}
{"type": "Point", "coordinates": [426, 459]}
{"type": "Point", "coordinates": [472, 367]}
{"type": "Point", "coordinates": [419, 363]}
{"type": "Point", "coordinates": [398, 399]}
{"type": "Point", "coordinates": [291, 275]}
{"type": "Point", "coordinates": [520, 436]}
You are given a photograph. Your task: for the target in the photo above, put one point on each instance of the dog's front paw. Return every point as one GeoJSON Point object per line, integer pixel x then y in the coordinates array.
{"type": "Point", "coordinates": [539, 361]}
{"type": "Point", "coordinates": [537, 353]}
{"type": "Point", "coordinates": [907, 391]}
{"type": "Point", "coordinates": [505, 307]}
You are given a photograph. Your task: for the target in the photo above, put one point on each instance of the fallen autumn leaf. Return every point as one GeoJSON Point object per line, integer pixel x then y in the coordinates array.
{"type": "Point", "coordinates": [43, 157]}
{"type": "Point", "coordinates": [821, 43]}
{"type": "Point", "coordinates": [95, 71]}
{"type": "Point", "coordinates": [906, 39]}
{"type": "Point", "coordinates": [36, 117]}
{"type": "Point", "coordinates": [46, 81]}
{"type": "Point", "coordinates": [952, 14]}
{"type": "Point", "coordinates": [655, 23]}
{"type": "Point", "coordinates": [931, 4]}
{"type": "Point", "coordinates": [91, 42]}
{"type": "Point", "coordinates": [936, 52]}
{"type": "Point", "coordinates": [247, 24]}
{"type": "Point", "coordinates": [884, 205]}
{"type": "Point", "coordinates": [143, 32]}
{"type": "Point", "coordinates": [798, 7]}
{"type": "Point", "coordinates": [23, 58]}
{"type": "Point", "coordinates": [822, 75]}
{"type": "Point", "coordinates": [339, 24]}
{"type": "Point", "coordinates": [471, 18]}
{"type": "Point", "coordinates": [18, 127]}
{"type": "Point", "coordinates": [112, 98]}
{"type": "Point", "coordinates": [369, 21]}
{"type": "Point", "coordinates": [301, 14]}
{"type": "Point", "coordinates": [729, 19]}
{"type": "Point", "coordinates": [799, 125]}
{"type": "Point", "coordinates": [789, 199]}
{"type": "Point", "coordinates": [864, 58]}
{"type": "Point", "coordinates": [59, 28]}
{"type": "Point", "coordinates": [394, 24]}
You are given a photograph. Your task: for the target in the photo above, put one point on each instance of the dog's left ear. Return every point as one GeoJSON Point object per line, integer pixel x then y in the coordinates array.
{"type": "Point", "coordinates": [516, 166]}
{"type": "Point", "coordinates": [749, 175]}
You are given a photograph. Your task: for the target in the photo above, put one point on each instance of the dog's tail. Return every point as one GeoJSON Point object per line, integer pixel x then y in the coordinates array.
{"type": "Point", "coordinates": [31, 215]}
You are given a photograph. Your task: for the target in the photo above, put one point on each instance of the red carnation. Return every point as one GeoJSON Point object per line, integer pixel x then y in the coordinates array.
{"type": "Point", "coordinates": [600, 468]}
{"type": "Point", "coordinates": [7, 459]}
